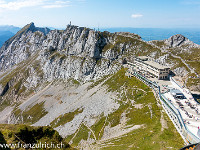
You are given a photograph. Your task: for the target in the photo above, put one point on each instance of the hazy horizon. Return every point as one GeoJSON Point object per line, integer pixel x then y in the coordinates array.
{"type": "Point", "coordinates": [104, 14]}
{"type": "Point", "coordinates": [149, 34]}
{"type": "Point", "coordinates": [104, 27]}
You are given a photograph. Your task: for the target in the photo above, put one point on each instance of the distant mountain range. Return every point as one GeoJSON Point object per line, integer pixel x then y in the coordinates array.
{"type": "Point", "coordinates": [6, 32]}
{"type": "Point", "coordinates": [149, 34]}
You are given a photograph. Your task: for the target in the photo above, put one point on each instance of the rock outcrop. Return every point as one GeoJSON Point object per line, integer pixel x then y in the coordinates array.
{"type": "Point", "coordinates": [176, 40]}
{"type": "Point", "coordinates": [179, 40]}
{"type": "Point", "coordinates": [37, 55]}
{"type": "Point", "coordinates": [75, 52]}
{"type": "Point", "coordinates": [72, 42]}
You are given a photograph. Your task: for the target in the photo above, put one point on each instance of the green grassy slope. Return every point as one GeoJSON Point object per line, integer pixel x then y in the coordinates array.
{"type": "Point", "coordinates": [150, 136]}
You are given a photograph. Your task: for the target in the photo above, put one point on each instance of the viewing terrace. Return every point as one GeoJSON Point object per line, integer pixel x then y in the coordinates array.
{"type": "Point", "coordinates": [178, 102]}
{"type": "Point", "coordinates": [187, 106]}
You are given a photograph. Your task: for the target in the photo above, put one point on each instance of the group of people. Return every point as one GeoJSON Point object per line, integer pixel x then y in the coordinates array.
{"type": "Point", "coordinates": [180, 104]}
{"type": "Point", "coordinates": [190, 116]}
{"type": "Point", "coordinates": [186, 122]}
{"type": "Point", "coordinates": [191, 106]}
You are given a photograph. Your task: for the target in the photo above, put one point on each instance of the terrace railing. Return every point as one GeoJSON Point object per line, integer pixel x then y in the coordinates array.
{"type": "Point", "coordinates": [189, 136]}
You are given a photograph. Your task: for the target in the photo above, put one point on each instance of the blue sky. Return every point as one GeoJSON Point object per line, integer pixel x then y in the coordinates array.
{"type": "Point", "coordinates": [102, 13]}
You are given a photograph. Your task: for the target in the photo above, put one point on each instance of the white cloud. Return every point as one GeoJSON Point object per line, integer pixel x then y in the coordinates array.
{"type": "Point", "coordinates": [57, 4]}
{"type": "Point", "coordinates": [136, 15]}
{"type": "Point", "coordinates": [18, 4]}
{"type": "Point", "coordinates": [52, 6]}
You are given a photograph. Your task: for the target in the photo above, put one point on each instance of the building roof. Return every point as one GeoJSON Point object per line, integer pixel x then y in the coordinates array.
{"type": "Point", "coordinates": [176, 92]}
{"type": "Point", "coordinates": [144, 58]}
{"type": "Point", "coordinates": [152, 63]}
{"type": "Point", "coordinates": [156, 65]}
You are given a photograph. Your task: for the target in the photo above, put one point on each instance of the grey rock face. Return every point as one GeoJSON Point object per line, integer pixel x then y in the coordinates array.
{"type": "Point", "coordinates": [21, 46]}
{"type": "Point", "coordinates": [176, 40]}
{"type": "Point", "coordinates": [180, 41]}
{"type": "Point", "coordinates": [181, 71]}
{"type": "Point", "coordinates": [60, 54]}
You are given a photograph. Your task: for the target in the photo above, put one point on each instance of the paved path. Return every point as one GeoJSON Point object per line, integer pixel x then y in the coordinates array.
{"type": "Point", "coordinates": [183, 61]}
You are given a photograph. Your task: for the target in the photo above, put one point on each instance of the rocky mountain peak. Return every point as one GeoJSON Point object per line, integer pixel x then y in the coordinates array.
{"type": "Point", "coordinates": [176, 40]}
{"type": "Point", "coordinates": [28, 27]}
{"type": "Point", "coordinates": [31, 26]}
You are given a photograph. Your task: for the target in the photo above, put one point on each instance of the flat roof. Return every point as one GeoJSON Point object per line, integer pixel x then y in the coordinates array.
{"type": "Point", "coordinates": [176, 91]}
{"type": "Point", "coordinates": [156, 65]}
{"type": "Point", "coordinates": [143, 57]}
{"type": "Point", "coordinates": [152, 63]}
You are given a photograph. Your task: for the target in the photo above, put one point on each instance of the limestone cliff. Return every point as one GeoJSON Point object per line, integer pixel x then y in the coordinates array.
{"type": "Point", "coordinates": [37, 55]}
{"type": "Point", "coordinates": [72, 81]}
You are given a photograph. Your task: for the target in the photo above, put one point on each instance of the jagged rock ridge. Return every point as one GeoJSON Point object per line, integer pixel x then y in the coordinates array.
{"type": "Point", "coordinates": [50, 73]}
{"type": "Point", "coordinates": [31, 57]}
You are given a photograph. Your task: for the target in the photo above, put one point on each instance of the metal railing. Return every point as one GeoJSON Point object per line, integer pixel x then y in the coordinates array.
{"type": "Point", "coordinates": [175, 82]}
{"type": "Point", "coordinates": [184, 130]}
{"type": "Point", "coordinates": [189, 136]}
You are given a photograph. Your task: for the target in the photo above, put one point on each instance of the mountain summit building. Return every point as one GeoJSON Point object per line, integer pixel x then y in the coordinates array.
{"type": "Point", "coordinates": [147, 64]}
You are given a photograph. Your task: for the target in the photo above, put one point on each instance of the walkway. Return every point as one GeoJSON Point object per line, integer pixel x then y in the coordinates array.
{"type": "Point", "coordinates": [185, 113]}
{"type": "Point", "coordinates": [183, 61]}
